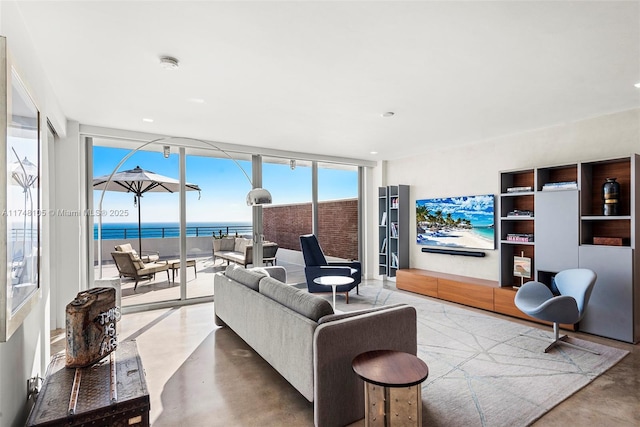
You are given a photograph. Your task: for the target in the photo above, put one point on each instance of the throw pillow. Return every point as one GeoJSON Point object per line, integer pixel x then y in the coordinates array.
{"type": "Point", "coordinates": [240, 244]}
{"type": "Point", "coordinates": [227, 243]}
{"type": "Point", "coordinates": [137, 262]}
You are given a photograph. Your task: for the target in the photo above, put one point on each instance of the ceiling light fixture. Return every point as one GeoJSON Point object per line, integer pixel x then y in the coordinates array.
{"type": "Point", "coordinates": [169, 62]}
{"type": "Point", "coordinates": [147, 120]}
{"type": "Point", "coordinates": [388, 114]}
{"type": "Point", "coordinates": [292, 164]}
{"type": "Point", "coordinates": [637, 85]}
{"type": "Point", "coordinates": [374, 152]}
{"type": "Point", "coordinates": [196, 100]}
{"type": "Point", "coordinates": [166, 151]}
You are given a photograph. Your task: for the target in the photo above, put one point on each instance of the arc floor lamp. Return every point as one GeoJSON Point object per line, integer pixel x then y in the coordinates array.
{"type": "Point", "coordinates": [257, 196]}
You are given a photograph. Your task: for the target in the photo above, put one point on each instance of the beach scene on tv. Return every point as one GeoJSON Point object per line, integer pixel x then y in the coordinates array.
{"type": "Point", "coordinates": [459, 222]}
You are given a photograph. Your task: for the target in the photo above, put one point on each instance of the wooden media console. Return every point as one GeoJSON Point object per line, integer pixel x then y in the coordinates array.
{"type": "Point", "coordinates": [478, 293]}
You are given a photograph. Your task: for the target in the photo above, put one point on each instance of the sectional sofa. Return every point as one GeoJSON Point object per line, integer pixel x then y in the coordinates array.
{"type": "Point", "coordinates": [299, 334]}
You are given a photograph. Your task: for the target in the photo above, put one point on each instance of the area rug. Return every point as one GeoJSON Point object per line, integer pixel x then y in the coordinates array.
{"type": "Point", "coordinates": [486, 371]}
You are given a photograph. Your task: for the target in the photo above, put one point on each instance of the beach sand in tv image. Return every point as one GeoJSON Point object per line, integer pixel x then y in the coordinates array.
{"type": "Point", "coordinates": [459, 222]}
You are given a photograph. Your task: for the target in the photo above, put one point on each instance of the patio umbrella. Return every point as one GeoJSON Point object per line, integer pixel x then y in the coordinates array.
{"type": "Point", "coordinates": [25, 174]}
{"type": "Point", "coordinates": [139, 181]}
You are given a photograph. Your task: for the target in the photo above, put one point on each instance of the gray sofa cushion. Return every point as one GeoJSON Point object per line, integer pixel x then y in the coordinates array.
{"type": "Point", "coordinates": [310, 306]}
{"type": "Point", "coordinates": [338, 316]}
{"type": "Point", "coordinates": [249, 278]}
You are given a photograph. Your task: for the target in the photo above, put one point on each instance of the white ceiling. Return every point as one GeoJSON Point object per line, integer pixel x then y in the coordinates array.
{"type": "Point", "coordinates": [316, 76]}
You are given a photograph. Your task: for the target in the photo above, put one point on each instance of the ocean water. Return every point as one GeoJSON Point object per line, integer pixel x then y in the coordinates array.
{"type": "Point", "coordinates": [119, 231]}
{"type": "Point", "coordinates": [485, 232]}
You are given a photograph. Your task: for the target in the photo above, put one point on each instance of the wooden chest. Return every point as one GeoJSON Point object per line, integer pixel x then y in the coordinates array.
{"type": "Point", "coordinates": [98, 403]}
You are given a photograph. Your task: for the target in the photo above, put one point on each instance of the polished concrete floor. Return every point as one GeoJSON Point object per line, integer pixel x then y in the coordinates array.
{"type": "Point", "coordinates": [202, 375]}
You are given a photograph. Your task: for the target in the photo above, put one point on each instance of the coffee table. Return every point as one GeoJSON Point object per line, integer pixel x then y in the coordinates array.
{"type": "Point", "coordinates": [392, 390]}
{"type": "Point", "coordinates": [174, 264]}
{"type": "Point", "coordinates": [334, 282]}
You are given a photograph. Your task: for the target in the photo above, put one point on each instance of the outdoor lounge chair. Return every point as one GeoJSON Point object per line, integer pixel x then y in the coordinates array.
{"type": "Point", "coordinates": [145, 256]}
{"type": "Point", "coordinates": [130, 266]}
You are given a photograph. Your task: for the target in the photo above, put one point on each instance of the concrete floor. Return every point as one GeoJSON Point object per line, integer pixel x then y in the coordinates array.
{"type": "Point", "coordinates": [202, 375]}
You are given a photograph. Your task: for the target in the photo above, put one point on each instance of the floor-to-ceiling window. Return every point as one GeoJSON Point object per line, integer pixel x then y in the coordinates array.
{"type": "Point", "coordinates": [216, 185]}
{"type": "Point", "coordinates": [220, 210]}
{"type": "Point", "coordinates": [338, 210]}
{"type": "Point", "coordinates": [331, 210]}
{"type": "Point", "coordinates": [305, 195]}
{"type": "Point", "coordinates": [140, 207]}
{"type": "Point", "coordinates": [289, 181]}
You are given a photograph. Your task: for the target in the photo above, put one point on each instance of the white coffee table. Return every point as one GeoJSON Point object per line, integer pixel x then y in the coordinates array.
{"type": "Point", "coordinates": [334, 282]}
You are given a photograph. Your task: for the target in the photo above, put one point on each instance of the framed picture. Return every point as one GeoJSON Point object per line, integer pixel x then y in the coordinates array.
{"type": "Point", "coordinates": [20, 200]}
{"type": "Point", "coordinates": [522, 267]}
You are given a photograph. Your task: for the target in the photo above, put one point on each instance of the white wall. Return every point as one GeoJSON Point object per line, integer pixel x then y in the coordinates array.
{"type": "Point", "coordinates": [26, 354]}
{"type": "Point", "coordinates": [474, 169]}
{"type": "Point", "coordinates": [68, 251]}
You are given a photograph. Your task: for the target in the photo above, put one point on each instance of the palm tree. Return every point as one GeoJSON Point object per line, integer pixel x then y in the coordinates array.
{"type": "Point", "coordinates": [438, 218]}
{"type": "Point", "coordinates": [449, 220]}
{"type": "Point", "coordinates": [422, 214]}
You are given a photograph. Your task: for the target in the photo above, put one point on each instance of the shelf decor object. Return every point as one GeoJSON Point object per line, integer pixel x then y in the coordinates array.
{"type": "Point", "coordinates": [610, 195]}
{"type": "Point", "coordinates": [20, 200]}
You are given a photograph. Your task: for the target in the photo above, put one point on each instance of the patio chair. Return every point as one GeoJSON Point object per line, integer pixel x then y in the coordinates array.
{"type": "Point", "coordinates": [145, 256]}
{"type": "Point", "coordinates": [130, 266]}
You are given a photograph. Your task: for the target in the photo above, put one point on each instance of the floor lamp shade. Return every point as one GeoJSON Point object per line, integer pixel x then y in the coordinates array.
{"type": "Point", "coordinates": [258, 196]}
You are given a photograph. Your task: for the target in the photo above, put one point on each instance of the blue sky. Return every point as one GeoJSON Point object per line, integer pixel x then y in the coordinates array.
{"type": "Point", "coordinates": [224, 187]}
{"type": "Point", "coordinates": [477, 209]}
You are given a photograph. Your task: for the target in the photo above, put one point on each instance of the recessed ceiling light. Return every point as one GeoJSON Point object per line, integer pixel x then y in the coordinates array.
{"type": "Point", "coordinates": [147, 120]}
{"type": "Point", "coordinates": [374, 152]}
{"type": "Point", "coordinates": [388, 114]}
{"type": "Point", "coordinates": [196, 100]}
{"type": "Point", "coordinates": [168, 62]}
{"type": "Point", "coordinates": [637, 85]}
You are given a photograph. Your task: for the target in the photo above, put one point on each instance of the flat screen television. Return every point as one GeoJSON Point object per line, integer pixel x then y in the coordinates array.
{"type": "Point", "coordinates": [456, 222]}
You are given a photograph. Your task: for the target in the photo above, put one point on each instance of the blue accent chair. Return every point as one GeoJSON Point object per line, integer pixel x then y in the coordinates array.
{"type": "Point", "coordinates": [316, 265]}
{"type": "Point", "coordinates": [573, 289]}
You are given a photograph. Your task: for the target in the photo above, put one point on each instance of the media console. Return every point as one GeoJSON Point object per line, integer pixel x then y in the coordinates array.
{"type": "Point", "coordinates": [473, 292]}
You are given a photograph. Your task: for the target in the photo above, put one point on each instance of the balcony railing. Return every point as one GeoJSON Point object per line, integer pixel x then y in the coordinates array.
{"type": "Point", "coordinates": [164, 232]}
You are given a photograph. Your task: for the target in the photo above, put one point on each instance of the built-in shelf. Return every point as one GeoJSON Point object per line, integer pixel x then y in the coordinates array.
{"type": "Point", "coordinates": [393, 205]}
{"type": "Point", "coordinates": [570, 230]}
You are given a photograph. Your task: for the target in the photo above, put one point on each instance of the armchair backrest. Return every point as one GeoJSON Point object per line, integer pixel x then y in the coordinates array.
{"type": "Point", "coordinates": [125, 247]}
{"type": "Point", "coordinates": [311, 251]}
{"type": "Point", "coordinates": [126, 262]}
{"type": "Point", "coordinates": [577, 283]}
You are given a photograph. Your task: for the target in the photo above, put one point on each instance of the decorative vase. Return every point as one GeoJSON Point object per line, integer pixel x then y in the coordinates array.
{"type": "Point", "coordinates": [610, 197]}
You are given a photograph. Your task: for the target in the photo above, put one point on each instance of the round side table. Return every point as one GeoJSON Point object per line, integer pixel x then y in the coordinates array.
{"type": "Point", "coordinates": [334, 282]}
{"type": "Point", "coordinates": [392, 390]}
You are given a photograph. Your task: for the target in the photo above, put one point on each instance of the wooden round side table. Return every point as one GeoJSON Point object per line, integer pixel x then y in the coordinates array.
{"type": "Point", "coordinates": [392, 390]}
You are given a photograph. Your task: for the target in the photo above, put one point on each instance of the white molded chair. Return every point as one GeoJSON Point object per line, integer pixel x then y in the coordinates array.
{"type": "Point", "coordinates": [566, 306]}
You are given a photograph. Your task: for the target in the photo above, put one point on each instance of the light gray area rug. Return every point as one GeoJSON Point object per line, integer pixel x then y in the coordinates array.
{"type": "Point", "coordinates": [482, 372]}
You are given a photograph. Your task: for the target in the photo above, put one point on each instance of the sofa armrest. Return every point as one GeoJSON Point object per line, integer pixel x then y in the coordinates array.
{"type": "Point", "coordinates": [277, 272]}
{"type": "Point", "coordinates": [353, 264]}
{"type": "Point", "coordinates": [338, 391]}
{"type": "Point", "coordinates": [248, 255]}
